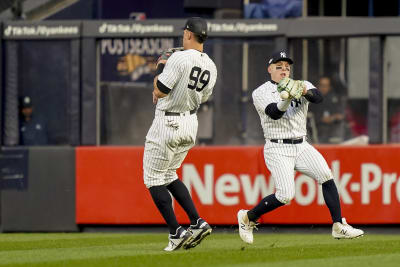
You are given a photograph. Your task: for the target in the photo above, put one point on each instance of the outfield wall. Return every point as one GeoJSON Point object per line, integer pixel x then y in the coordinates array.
{"type": "Point", "coordinates": [60, 188]}
{"type": "Point", "coordinates": [222, 180]}
{"type": "Point", "coordinates": [37, 189]}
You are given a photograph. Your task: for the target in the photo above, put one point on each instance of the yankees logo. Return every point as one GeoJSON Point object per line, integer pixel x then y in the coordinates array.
{"type": "Point", "coordinates": [296, 102]}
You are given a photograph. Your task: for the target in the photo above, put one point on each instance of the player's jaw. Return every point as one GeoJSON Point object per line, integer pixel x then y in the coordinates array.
{"type": "Point", "coordinates": [278, 76]}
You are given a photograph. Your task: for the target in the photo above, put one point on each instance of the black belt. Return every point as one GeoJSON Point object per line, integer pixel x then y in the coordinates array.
{"type": "Point", "coordinates": [168, 113]}
{"type": "Point", "coordinates": [288, 141]}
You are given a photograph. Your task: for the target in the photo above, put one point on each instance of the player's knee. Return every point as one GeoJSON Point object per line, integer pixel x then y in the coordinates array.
{"type": "Point", "coordinates": [284, 196]}
{"type": "Point", "coordinates": [326, 176]}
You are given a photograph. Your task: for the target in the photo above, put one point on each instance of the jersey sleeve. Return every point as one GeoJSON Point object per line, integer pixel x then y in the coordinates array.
{"type": "Point", "coordinates": [210, 87]}
{"type": "Point", "coordinates": [172, 71]}
{"type": "Point", "coordinates": [313, 96]}
{"type": "Point", "coordinates": [261, 101]}
{"type": "Point", "coordinates": [309, 85]}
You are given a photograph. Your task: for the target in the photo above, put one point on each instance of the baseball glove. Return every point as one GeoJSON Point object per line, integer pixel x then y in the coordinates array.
{"type": "Point", "coordinates": [293, 87]}
{"type": "Point", "coordinates": [167, 53]}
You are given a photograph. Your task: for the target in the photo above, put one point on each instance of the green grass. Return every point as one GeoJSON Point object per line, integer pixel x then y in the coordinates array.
{"type": "Point", "coordinates": [220, 249]}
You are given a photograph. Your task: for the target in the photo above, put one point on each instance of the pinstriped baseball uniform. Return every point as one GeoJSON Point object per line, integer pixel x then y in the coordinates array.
{"type": "Point", "coordinates": [282, 159]}
{"type": "Point", "coordinates": [192, 76]}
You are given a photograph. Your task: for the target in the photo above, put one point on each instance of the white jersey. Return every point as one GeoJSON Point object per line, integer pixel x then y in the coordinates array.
{"type": "Point", "coordinates": [282, 159]}
{"type": "Point", "coordinates": [191, 76]}
{"type": "Point", "coordinates": [292, 125]}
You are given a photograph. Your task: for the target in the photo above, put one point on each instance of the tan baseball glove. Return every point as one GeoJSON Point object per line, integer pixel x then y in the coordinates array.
{"type": "Point", "coordinates": [293, 87]}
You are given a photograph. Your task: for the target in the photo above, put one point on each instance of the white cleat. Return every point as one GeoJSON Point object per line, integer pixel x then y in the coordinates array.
{"type": "Point", "coordinates": [245, 226]}
{"type": "Point", "coordinates": [344, 230]}
{"type": "Point", "coordinates": [179, 239]}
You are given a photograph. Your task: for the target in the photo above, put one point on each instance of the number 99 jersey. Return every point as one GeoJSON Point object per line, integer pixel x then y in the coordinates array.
{"type": "Point", "coordinates": [191, 76]}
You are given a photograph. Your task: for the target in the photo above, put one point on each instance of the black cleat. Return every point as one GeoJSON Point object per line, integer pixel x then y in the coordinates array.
{"type": "Point", "coordinates": [199, 231]}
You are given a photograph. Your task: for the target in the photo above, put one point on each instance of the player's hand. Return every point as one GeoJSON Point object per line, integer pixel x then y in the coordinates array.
{"type": "Point", "coordinates": [155, 99]}
{"type": "Point", "coordinates": [304, 89]}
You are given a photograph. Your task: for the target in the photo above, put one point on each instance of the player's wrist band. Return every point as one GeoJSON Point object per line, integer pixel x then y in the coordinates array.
{"type": "Point", "coordinates": [284, 104]}
{"type": "Point", "coordinates": [160, 68]}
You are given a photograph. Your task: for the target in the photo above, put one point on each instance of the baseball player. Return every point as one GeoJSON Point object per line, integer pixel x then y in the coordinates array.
{"type": "Point", "coordinates": [184, 79]}
{"type": "Point", "coordinates": [283, 119]}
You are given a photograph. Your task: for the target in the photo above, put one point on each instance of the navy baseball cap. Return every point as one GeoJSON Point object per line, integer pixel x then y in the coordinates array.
{"type": "Point", "coordinates": [280, 56]}
{"type": "Point", "coordinates": [196, 25]}
{"type": "Point", "coordinates": [26, 102]}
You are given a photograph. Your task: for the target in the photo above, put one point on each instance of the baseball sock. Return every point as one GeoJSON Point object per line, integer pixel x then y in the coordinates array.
{"type": "Point", "coordinates": [268, 204]}
{"type": "Point", "coordinates": [331, 197]}
{"type": "Point", "coordinates": [181, 194]}
{"type": "Point", "coordinates": [163, 201]}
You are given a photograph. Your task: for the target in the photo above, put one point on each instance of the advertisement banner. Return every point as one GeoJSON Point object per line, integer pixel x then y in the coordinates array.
{"type": "Point", "coordinates": [41, 30]}
{"type": "Point", "coordinates": [132, 60]}
{"type": "Point", "coordinates": [110, 189]}
{"type": "Point", "coordinates": [223, 180]}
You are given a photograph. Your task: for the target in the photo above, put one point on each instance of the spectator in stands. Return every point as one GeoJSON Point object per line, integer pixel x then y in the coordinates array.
{"type": "Point", "coordinates": [329, 116]}
{"type": "Point", "coordinates": [274, 9]}
{"type": "Point", "coordinates": [33, 131]}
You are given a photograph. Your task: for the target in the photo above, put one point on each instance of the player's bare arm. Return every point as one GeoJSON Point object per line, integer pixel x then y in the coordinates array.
{"type": "Point", "coordinates": [157, 92]}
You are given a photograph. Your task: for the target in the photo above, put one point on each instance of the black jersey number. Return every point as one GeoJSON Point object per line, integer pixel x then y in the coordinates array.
{"type": "Point", "coordinates": [198, 79]}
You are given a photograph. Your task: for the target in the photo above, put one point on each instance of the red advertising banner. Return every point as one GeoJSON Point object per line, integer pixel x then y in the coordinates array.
{"type": "Point", "coordinates": [110, 189]}
{"type": "Point", "coordinates": [222, 180]}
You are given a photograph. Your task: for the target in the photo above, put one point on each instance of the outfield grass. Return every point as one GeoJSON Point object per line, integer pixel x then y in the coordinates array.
{"type": "Point", "coordinates": [219, 249]}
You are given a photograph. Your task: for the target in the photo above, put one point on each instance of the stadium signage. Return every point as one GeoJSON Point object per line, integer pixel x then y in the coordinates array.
{"type": "Point", "coordinates": [228, 186]}
{"type": "Point", "coordinates": [131, 60]}
{"type": "Point", "coordinates": [132, 28]}
{"type": "Point", "coordinates": [223, 180]}
{"type": "Point", "coordinates": [138, 28]}
{"type": "Point", "coordinates": [241, 27]}
{"type": "Point", "coordinates": [173, 28]}
{"type": "Point", "coordinates": [140, 46]}
{"type": "Point", "coordinates": [30, 31]}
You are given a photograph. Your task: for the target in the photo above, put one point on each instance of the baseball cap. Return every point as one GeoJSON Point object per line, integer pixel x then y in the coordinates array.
{"type": "Point", "coordinates": [196, 25]}
{"type": "Point", "coordinates": [26, 102]}
{"type": "Point", "coordinates": [280, 56]}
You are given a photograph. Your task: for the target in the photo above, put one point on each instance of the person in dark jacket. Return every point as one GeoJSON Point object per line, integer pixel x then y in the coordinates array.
{"type": "Point", "coordinates": [33, 130]}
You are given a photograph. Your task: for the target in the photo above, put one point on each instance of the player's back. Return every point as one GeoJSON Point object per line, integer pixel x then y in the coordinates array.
{"type": "Point", "coordinates": [192, 75]}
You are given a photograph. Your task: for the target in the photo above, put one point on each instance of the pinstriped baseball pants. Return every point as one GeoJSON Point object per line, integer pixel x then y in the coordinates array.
{"type": "Point", "coordinates": [283, 159]}
{"type": "Point", "coordinates": [167, 144]}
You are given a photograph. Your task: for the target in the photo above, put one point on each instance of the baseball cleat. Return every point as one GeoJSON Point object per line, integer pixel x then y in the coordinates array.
{"type": "Point", "coordinates": [245, 226]}
{"type": "Point", "coordinates": [199, 231]}
{"type": "Point", "coordinates": [178, 240]}
{"type": "Point", "coordinates": [344, 230]}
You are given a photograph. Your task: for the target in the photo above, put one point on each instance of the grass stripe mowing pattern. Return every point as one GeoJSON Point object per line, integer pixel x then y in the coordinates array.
{"type": "Point", "coordinates": [219, 249]}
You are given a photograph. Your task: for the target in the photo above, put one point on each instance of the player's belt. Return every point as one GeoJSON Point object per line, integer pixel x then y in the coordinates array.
{"type": "Point", "coordinates": [288, 141]}
{"type": "Point", "coordinates": [168, 113]}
